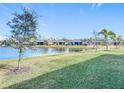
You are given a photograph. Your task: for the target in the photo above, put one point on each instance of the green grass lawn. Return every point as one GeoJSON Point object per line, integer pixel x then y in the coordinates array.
{"type": "Point", "coordinates": [104, 69]}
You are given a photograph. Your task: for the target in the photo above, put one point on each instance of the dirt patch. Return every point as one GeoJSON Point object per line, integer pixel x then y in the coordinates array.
{"type": "Point", "coordinates": [10, 70]}
{"type": "Point", "coordinates": [18, 71]}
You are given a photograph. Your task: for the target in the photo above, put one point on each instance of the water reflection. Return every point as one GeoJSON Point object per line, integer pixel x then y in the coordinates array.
{"type": "Point", "coordinates": [75, 50]}
{"type": "Point", "coordinates": [59, 50]}
{"type": "Point", "coordinates": [10, 53]}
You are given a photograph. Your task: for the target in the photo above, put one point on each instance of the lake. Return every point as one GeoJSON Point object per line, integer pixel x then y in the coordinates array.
{"type": "Point", "coordinates": [11, 53]}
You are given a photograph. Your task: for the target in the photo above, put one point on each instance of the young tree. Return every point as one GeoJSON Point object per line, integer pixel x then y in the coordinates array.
{"type": "Point", "coordinates": [23, 31]}
{"type": "Point", "coordinates": [95, 39]}
{"type": "Point", "coordinates": [106, 35]}
{"type": "Point", "coordinates": [90, 41]}
{"type": "Point", "coordinates": [46, 42]}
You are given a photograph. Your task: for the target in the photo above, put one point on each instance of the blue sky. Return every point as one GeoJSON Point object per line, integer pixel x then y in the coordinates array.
{"type": "Point", "coordinates": [71, 21]}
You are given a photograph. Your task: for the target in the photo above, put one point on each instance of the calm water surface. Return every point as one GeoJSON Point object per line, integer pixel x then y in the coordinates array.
{"type": "Point", "coordinates": [11, 53]}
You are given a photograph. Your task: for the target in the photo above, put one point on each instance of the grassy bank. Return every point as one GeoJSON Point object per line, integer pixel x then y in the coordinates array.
{"type": "Point", "coordinates": [72, 70]}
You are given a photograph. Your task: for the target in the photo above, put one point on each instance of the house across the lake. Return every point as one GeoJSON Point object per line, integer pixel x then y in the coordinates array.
{"type": "Point", "coordinates": [75, 42]}
{"type": "Point", "coordinates": [60, 42]}
{"type": "Point", "coordinates": [40, 42]}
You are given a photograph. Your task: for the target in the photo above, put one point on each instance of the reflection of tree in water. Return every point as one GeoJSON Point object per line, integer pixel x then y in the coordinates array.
{"type": "Point", "coordinates": [44, 50]}
{"type": "Point", "coordinates": [75, 49]}
{"type": "Point", "coordinates": [59, 50]}
{"type": "Point", "coordinates": [40, 50]}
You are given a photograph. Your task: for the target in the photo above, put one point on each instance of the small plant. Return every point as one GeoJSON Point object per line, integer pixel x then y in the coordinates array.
{"type": "Point", "coordinates": [95, 40]}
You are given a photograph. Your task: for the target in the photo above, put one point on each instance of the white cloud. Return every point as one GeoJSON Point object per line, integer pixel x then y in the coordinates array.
{"type": "Point", "coordinates": [99, 5]}
{"type": "Point", "coordinates": [6, 8]}
{"type": "Point", "coordinates": [43, 24]}
{"type": "Point", "coordinates": [95, 5]}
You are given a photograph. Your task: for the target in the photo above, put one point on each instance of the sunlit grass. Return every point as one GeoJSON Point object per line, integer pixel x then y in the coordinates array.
{"type": "Point", "coordinates": [101, 69]}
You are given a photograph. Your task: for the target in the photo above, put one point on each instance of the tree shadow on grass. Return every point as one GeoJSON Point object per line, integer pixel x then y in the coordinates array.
{"type": "Point", "coordinates": [103, 72]}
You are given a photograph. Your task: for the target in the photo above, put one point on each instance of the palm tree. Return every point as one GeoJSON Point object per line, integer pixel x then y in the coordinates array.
{"type": "Point", "coordinates": [119, 40]}
{"type": "Point", "coordinates": [106, 35]}
{"type": "Point", "coordinates": [114, 38]}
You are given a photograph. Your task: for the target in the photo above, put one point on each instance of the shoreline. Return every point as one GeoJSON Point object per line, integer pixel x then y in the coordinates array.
{"type": "Point", "coordinates": [44, 66]}
{"type": "Point", "coordinates": [57, 54]}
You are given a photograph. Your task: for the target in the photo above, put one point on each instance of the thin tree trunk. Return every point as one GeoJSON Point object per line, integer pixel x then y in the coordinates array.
{"type": "Point", "coordinates": [116, 46]}
{"type": "Point", "coordinates": [106, 45]}
{"type": "Point", "coordinates": [19, 59]}
{"type": "Point", "coordinates": [96, 47]}
{"type": "Point", "coordinates": [119, 45]}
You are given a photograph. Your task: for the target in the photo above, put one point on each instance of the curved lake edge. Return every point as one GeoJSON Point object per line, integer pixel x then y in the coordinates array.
{"type": "Point", "coordinates": [33, 57]}
{"type": "Point", "coordinates": [8, 53]}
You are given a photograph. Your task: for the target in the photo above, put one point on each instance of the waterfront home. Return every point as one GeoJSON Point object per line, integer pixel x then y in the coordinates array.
{"type": "Point", "coordinates": [40, 42]}
{"type": "Point", "coordinates": [60, 42]}
{"type": "Point", "coordinates": [45, 42]}
{"type": "Point", "coordinates": [51, 42]}
{"type": "Point", "coordinates": [75, 42]}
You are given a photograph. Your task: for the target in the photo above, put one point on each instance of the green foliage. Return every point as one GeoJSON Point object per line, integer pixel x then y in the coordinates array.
{"type": "Point", "coordinates": [106, 35]}
{"type": "Point", "coordinates": [119, 40]}
{"type": "Point", "coordinates": [23, 31]}
{"type": "Point", "coordinates": [113, 37]}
